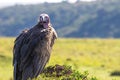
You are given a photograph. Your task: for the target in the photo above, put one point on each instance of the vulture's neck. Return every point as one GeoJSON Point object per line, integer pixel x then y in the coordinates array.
{"type": "Point", "coordinates": [39, 26]}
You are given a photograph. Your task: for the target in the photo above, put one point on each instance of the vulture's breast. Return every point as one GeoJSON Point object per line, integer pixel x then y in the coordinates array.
{"type": "Point", "coordinates": [45, 36]}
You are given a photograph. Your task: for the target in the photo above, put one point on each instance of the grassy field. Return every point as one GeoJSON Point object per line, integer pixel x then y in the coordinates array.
{"type": "Point", "coordinates": [100, 57]}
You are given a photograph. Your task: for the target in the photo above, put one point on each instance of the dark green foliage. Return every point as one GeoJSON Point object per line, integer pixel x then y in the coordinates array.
{"type": "Point", "coordinates": [115, 73]}
{"type": "Point", "coordinates": [81, 19]}
{"type": "Point", "coordinates": [59, 72]}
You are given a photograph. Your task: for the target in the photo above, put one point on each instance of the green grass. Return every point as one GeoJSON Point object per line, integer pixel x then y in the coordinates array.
{"type": "Point", "coordinates": [6, 69]}
{"type": "Point", "coordinates": [99, 57]}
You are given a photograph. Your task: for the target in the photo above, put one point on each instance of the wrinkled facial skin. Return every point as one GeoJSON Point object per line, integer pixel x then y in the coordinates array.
{"type": "Point", "coordinates": [44, 20]}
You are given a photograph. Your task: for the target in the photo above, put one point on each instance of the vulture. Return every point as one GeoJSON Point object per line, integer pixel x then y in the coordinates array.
{"type": "Point", "coordinates": [32, 49]}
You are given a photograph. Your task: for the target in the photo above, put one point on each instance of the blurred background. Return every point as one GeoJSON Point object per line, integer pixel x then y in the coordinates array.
{"type": "Point", "coordinates": [88, 31]}
{"type": "Point", "coordinates": [71, 18]}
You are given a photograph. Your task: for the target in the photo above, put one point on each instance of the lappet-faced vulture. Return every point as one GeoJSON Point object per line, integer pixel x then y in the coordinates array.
{"type": "Point", "coordinates": [32, 49]}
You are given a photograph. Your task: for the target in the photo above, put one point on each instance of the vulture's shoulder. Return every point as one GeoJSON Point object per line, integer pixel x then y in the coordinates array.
{"type": "Point", "coordinates": [54, 32]}
{"type": "Point", "coordinates": [22, 35]}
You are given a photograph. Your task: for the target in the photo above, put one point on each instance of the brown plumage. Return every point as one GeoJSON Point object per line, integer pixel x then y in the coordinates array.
{"type": "Point", "coordinates": [32, 49]}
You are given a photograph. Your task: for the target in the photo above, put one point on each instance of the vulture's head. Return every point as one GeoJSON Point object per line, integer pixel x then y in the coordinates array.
{"type": "Point", "coordinates": [44, 20]}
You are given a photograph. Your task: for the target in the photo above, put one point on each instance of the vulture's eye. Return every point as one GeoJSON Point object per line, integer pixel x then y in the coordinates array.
{"type": "Point", "coordinates": [41, 19]}
{"type": "Point", "coordinates": [46, 17]}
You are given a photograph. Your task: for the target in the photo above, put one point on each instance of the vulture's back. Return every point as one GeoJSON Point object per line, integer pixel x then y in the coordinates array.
{"type": "Point", "coordinates": [32, 51]}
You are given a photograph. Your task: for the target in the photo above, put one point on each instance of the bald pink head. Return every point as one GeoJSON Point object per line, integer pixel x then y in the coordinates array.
{"type": "Point", "coordinates": [44, 20]}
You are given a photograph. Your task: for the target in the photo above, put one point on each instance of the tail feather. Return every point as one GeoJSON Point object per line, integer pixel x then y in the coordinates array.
{"type": "Point", "coordinates": [15, 66]}
{"type": "Point", "coordinates": [17, 73]}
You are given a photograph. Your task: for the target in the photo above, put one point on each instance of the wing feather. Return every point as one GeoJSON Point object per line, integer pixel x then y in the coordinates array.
{"type": "Point", "coordinates": [16, 54]}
